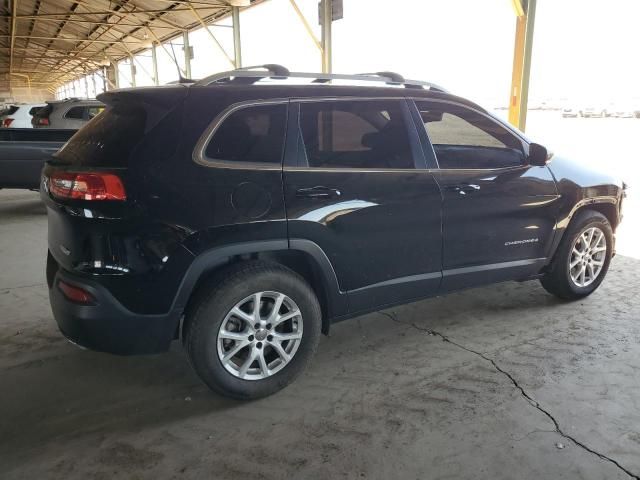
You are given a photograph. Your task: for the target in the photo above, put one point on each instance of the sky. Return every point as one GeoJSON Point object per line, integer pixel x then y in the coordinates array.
{"type": "Point", "coordinates": [584, 50]}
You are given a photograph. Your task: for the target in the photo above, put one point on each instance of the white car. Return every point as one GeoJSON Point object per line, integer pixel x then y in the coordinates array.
{"type": "Point", "coordinates": [19, 115]}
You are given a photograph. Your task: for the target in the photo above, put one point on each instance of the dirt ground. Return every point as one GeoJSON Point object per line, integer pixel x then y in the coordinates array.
{"type": "Point", "coordinates": [498, 382]}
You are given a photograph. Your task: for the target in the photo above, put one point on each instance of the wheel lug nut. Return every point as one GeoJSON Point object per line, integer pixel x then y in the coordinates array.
{"type": "Point", "coordinates": [269, 337]}
{"type": "Point", "coordinates": [257, 326]}
{"type": "Point", "coordinates": [268, 326]}
{"type": "Point", "coordinates": [259, 344]}
{"type": "Point", "coordinates": [251, 338]}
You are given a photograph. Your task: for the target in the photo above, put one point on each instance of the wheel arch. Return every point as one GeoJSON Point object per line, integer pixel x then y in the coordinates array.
{"type": "Point", "coordinates": [304, 257]}
{"type": "Point", "coordinates": [607, 206]}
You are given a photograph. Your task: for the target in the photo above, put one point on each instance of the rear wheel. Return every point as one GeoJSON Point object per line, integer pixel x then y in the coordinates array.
{"type": "Point", "coordinates": [582, 259]}
{"type": "Point", "coordinates": [252, 330]}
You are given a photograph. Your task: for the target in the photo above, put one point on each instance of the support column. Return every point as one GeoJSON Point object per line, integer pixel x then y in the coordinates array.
{"type": "Point", "coordinates": [187, 54]}
{"type": "Point", "coordinates": [526, 67]}
{"type": "Point", "coordinates": [237, 46]}
{"type": "Point", "coordinates": [132, 67]}
{"type": "Point", "coordinates": [522, 54]}
{"type": "Point", "coordinates": [325, 40]}
{"type": "Point", "coordinates": [114, 76]}
{"type": "Point", "coordinates": [154, 64]}
{"type": "Point", "coordinates": [516, 74]}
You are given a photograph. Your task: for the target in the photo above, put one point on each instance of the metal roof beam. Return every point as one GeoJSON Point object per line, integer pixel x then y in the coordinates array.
{"type": "Point", "coordinates": [212, 36]}
{"type": "Point", "coordinates": [14, 7]}
{"type": "Point", "coordinates": [94, 22]}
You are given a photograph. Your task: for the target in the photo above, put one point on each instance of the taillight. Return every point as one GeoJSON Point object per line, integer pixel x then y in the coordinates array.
{"type": "Point", "coordinates": [7, 122]}
{"type": "Point", "coordinates": [42, 121]}
{"type": "Point", "coordinates": [76, 294]}
{"type": "Point", "coordinates": [86, 186]}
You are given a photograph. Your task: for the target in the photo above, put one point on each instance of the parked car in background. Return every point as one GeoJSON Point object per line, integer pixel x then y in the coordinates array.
{"type": "Point", "coordinates": [593, 112]}
{"type": "Point", "coordinates": [70, 113]}
{"type": "Point", "coordinates": [23, 152]}
{"type": "Point", "coordinates": [284, 208]}
{"type": "Point", "coordinates": [19, 115]}
{"type": "Point", "coordinates": [569, 112]}
{"type": "Point", "coordinates": [620, 111]}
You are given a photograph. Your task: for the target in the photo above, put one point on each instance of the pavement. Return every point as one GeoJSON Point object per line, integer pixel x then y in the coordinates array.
{"type": "Point", "coordinates": [499, 382]}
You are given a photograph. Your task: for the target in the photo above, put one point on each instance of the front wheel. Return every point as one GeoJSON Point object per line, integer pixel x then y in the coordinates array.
{"type": "Point", "coordinates": [582, 259]}
{"type": "Point", "coordinates": [252, 330]}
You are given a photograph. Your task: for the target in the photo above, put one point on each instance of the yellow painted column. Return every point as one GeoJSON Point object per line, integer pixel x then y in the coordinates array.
{"type": "Point", "coordinates": [516, 76]}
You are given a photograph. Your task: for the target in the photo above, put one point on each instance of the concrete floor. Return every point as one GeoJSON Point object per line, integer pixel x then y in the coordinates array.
{"type": "Point", "coordinates": [498, 382]}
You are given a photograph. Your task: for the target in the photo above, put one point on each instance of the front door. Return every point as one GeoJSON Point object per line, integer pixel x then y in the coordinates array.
{"type": "Point", "coordinates": [498, 212]}
{"type": "Point", "coordinates": [358, 188]}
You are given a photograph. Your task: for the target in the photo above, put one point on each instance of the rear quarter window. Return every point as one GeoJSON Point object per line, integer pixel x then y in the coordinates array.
{"type": "Point", "coordinates": [252, 134]}
{"type": "Point", "coordinates": [75, 113]}
{"type": "Point", "coordinates": [107, 140]}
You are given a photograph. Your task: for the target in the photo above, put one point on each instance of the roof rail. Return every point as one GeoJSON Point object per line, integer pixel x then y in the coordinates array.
{"type": "Point", "coordinates": [249, 75]}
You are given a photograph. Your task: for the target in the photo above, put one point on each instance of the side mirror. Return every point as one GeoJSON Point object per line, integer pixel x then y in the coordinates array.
{"type": "Point", "coordinates": [538, 155]}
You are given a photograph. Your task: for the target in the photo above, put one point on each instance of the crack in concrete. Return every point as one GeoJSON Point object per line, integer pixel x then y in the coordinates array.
{"type": "Point", "coordinates": [515, 383]}
{"type": "Point", "coordinates": [8, 289]}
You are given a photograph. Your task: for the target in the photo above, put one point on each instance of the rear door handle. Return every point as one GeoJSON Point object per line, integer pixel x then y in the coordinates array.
{"type": "Point", "coordinates": [464, 188]}
{"type": "Point", "coordinates": [318, 192]}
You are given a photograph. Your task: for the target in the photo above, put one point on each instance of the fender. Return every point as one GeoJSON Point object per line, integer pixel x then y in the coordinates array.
{"type": "Point", "coordinates": [564, 220]}
{"type": "Point", "coordinates": [209, 260]}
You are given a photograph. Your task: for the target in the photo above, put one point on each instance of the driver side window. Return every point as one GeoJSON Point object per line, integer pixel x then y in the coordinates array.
{"type": "Point", "coordinates": [465, 139]}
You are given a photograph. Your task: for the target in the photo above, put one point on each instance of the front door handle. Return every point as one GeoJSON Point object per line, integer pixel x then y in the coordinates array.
{"type": "Point", "coordinates": [318, 192]}
{"type": "Point", "coordinates": [464, 188]}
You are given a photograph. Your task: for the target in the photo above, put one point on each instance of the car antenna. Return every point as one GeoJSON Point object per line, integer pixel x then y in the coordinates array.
{"type": "Point", "coordinates": [181, 79]}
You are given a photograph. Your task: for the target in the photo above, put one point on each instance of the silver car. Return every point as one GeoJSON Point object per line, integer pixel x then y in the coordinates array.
{"type": "Point", "coordinates": [71, 113]}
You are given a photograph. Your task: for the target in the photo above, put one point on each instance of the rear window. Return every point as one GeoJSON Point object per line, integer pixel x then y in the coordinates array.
{"type": "Point", "coordinates": [107, 140]}
{"type": "Point", "coordinates": [44, 112]}
{"type": "Point", "coordinates": [11, 110]}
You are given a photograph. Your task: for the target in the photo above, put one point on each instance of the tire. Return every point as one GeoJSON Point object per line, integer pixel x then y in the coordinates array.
{"type": "Point", "coordinates": [212, 307]}
{"type": "Point", "coordinates": [559, 280]}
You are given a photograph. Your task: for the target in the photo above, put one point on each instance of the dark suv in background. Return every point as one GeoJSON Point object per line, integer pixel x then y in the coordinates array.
{"type": "Point", "coordinates": [246, 212]}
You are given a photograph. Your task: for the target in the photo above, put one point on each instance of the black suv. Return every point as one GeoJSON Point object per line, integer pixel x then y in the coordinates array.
{"type": "Point", "coordinates": [246, 212]}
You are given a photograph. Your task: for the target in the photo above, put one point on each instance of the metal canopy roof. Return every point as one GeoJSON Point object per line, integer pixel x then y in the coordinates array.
{"type": "Point", "coordinates": [52, 41]}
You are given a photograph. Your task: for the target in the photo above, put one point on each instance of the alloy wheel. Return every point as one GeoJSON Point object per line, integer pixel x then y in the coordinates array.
{"type": "Point", "coordinates": [587, 256]}
{"type": "Point", "coordinates": [260, 335]}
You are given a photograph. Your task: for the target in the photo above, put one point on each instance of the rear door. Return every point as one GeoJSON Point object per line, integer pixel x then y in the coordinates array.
{"type": "Point", "coordinates": [357, 186]}
{"type": "Point", "coordinates": [498, 212]}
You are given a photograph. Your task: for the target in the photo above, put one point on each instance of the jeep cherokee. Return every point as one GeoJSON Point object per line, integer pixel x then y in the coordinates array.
{"type": "Point", "coordinates": [245, 213]}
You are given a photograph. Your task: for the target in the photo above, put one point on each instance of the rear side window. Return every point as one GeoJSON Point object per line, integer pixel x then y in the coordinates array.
{"type": "Point", "coordinates": [76, 113]}
{"type": "Point", "coordinates": [355, 134]}
{"type": "Point", "coordinates": [107, 140]}
{"type": "Point", "coordinates": [11, 110]}
{"type": "Point", "coordinates": [251, 134]}
{"type": "Point", "coordinates": [34, 110]}
{"type": "Point", "coordinates": [465, 139]}
{"type": "Point", "coordinates": [93, 111]}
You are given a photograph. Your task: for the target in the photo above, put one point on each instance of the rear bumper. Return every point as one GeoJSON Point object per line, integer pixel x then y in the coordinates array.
{"type": "Point", "coordinates": [107, 326]}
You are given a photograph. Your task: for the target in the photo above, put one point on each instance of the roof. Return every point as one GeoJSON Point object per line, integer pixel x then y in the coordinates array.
{"type": "Point", "coordinates": [52, 41]}
{"type": "Point", "coordinates": [233, 93]}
